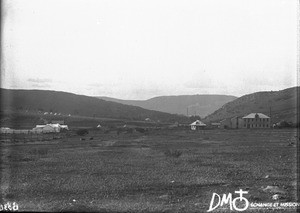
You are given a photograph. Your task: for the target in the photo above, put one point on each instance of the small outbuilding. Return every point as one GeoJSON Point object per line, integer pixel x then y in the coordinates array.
{"type": "Point", "coordinates": [232, 123]}
{"type": "Point", "coordinates": [64, 127]}
{"type": "Point", "coordinates": [215, 125]}
{"type": "Point", "coordinates": [197, 125]}
{"type": "Point", "coordinates": [6, 130]}
{"type": "Point", "coordinates": [236, 122]}
{"type": "Point", "coordinates": [225, 123]}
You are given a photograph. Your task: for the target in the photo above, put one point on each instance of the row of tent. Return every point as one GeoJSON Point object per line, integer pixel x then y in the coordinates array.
{"type": "Point", "coordinates": [53, 113]}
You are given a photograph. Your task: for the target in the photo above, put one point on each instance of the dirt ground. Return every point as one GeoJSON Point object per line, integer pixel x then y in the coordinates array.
{"type": "Point", "coordinates": [156, 171]}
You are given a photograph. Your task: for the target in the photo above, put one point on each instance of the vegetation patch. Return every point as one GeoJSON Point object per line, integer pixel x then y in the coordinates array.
{"type": "Point", "coordinates": [82, 132]}
{"type": "Point", "coordinates": [173, 153]}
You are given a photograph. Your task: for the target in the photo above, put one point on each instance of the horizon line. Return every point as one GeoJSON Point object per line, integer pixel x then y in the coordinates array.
{"type": "Point", "coordinates": [99, 96]}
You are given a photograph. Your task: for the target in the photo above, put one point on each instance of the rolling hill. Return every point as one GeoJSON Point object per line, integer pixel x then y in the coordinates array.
{"type": "Point", "coordinates": [68, 103]}
{"type": "Point", "coordinates": [201, 105]}
{"type": "Point", "coordinates": [282, 105]}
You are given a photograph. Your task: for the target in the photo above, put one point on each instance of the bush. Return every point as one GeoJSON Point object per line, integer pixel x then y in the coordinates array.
{"type": "Point", "coordinates": [140, 130]}
{"type": "Point", "coordinates": [284, 124]}
{"type": "Point", "coordinates": [119, 130]}
{"type": "Point", "coordinates": [82, 132]}
{"type": "Point", "coordinates": [129, 131]}
{"type": "Point", "coordinates": [39, 151]}
{"type": "Point", "coordinates": [173, 153]}
{"type": "Point", "coordinates": [106, 131]}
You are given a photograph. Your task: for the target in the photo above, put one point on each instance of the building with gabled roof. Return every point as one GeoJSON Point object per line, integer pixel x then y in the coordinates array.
{"type": "Point", "coordinates": [235, 122]}
{"type": "Point", "coordinates": [256, 120]}
{"type": "Point", "coordinates": [49, 128]}
{"type": "Point", "coordinates": [197, 125]}
{"type": "Point", "coordinates": [225, 123]}
{"type": "Point", "coordinates": [254, 115]}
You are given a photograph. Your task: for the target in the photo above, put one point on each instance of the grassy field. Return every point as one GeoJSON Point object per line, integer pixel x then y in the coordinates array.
{"type": "Point", "coordinates": [156, 171]}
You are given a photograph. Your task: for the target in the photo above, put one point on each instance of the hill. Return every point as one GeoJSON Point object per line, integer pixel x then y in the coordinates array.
{"type": "Point", "coordinates": [282, 105]}
{"type": "Point", "coordinates": [201, 105]}
{"type": "Point", "coordinates": [40, 101]}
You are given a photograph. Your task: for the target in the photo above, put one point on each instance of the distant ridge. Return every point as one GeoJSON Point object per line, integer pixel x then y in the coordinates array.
{"type": "Point", "coordinates": [282, 105]}
{"type": "Point", "coordinates": [68, 103]}
{"type": "Point", "coordinates": [201, 105]}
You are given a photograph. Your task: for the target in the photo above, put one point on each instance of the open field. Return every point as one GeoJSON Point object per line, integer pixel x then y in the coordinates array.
{"type": "Point", "coordinates": [28, 120]}
{"type": "Point", "coordinates": [155, 171]}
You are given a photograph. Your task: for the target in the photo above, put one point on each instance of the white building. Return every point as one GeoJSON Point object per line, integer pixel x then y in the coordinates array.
{"type": "Point", "coordinates": [49, 128]}
{"type": "Point", "coordinates": [197, 125]}
{"type": "Point", "coordinates": [6, 130]}
{"type": "Point", "coordinates": [64, 127]}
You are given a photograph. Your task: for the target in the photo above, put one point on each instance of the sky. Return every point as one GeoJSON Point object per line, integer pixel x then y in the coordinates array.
{"type": "Point", "coordinates": [138, 49]}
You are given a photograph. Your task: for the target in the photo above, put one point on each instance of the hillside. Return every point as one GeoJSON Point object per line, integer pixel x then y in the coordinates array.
{"type": "Point", "coordinates": [283, 105]}
{"type": "Point", "coordinates": [68, 103]}
{"type": "Point", "coordinates": [201, 105]}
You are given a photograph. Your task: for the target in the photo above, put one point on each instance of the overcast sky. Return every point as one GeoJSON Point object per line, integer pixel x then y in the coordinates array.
{"type": "Point", "coordinates": [135, 49]}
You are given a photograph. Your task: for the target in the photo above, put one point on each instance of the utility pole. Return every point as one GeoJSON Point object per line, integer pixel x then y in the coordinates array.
{"type": "Point", "coordinates": [270, 116]}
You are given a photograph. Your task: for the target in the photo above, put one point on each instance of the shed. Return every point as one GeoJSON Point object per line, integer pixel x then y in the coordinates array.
{"type": "Point", "coordinates": [6, 130]}
{"type": "Point", "coordinates": [197, 125]}
{"type": "Point", "coordinates": [215, 125]}
{"type": "Point", "coordinates": [225, 123]}
{"type": "Point", "coordinates": [64, 127]}
{"type": "Point", "coordinates": [236, 122]}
